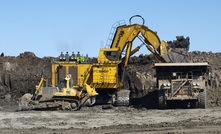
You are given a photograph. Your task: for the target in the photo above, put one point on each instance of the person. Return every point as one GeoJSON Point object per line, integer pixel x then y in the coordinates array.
{"type": "Point", "coordinates": [73, 56]}
{"type": "Point", "coordinates": [82, 59]}
{"type": "Point", "coordinates": [61, 57]}
{"type": "Point", "coordinates": [86, 58]}
{"type": "Point", "coordinates": [78, 57]}
{"type": "Point", "coordinates": [67, 56]}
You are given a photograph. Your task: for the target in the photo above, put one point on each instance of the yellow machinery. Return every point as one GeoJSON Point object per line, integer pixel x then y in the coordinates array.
{"type": "Point", "coordinates": [65, 98]}
{"type": "Point", "coordinates": [103, 81]}
{"type": "Point", "coordinates": [106, 76]}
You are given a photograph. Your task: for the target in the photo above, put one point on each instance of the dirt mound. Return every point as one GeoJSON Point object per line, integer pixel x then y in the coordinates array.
{"type": "Point", "coordinates": [19, 75]}
{"type": "Point", "coordinates": [214, 60]}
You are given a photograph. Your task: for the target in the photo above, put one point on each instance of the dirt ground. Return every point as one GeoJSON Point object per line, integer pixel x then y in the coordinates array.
{"type": "Point", "coordinates": [19, 75]}
{"type": "Point", "coordinates": [116, 120]}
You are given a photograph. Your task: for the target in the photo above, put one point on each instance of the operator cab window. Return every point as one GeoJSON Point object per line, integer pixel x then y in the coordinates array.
{"type": "Point", "coordinates": [112, 55]}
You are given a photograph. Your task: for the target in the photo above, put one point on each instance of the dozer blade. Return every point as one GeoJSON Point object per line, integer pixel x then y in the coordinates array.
{"type": "Point", "coordinates": [24, 102]}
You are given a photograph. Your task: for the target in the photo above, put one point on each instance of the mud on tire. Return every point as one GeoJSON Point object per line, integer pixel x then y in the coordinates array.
{"type": "Point", "coordinates": [202, 99]}
{"type": "Point", "coordinates": [122, 98]}
{"type": "Point", "coordinates": [162, 104]}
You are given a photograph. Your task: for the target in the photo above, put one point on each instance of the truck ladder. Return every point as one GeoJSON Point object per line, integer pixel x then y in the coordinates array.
{"type": "Point", "coordinates": [179, 87]}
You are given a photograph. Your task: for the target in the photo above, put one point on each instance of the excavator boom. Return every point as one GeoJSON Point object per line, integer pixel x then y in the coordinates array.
{"type": "Point", "coordinates": [123, 41]}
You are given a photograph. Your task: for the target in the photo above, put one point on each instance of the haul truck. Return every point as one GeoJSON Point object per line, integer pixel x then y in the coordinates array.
{"type": "Point", "coordinates": [182, 82]}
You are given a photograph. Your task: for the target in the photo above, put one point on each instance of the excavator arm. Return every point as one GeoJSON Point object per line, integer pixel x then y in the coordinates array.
{"type": "Point", "coordinates": [125, 36]}
{"type": "Point", "coordinates": [123, 41]}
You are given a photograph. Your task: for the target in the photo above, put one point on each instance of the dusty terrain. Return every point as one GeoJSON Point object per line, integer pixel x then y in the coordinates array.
{"type": "Point", "coordinates": [20, 74]}
{"type": "Point", "coordinates": [114, 120]}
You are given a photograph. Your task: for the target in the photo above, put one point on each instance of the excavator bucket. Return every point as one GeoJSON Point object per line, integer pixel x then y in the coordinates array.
{"type": "Point", "coordinates": [179, 48]}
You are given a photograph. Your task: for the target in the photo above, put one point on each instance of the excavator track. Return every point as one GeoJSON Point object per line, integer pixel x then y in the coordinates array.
{"type": "Point", "coordinates": [122, 98]}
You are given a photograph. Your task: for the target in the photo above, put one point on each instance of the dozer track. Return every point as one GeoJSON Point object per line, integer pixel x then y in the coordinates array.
{"type": "Point", "coordinates": [25, 103]}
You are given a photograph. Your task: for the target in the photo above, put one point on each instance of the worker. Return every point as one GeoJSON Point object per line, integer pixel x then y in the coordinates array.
{"type": "Point", "coordinates": [61, 57]}
{"type": "Point", "coordinates": [73, 56]}
{"type": "Point", "coordinates": [78, 57]}
{"type": "Point", "coordinates": [86, 58]}
{"type": "Point", "coordinates": [82, 59]}
{"type": "Point", "coordinates": [67, 56]}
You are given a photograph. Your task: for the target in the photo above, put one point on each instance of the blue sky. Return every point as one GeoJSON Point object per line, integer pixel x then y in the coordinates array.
{"type": "Point", "coordinates": [47, 27]}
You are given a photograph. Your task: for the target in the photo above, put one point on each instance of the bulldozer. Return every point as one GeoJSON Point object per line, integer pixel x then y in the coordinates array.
{"type": "Point", "coordinates": [64, 98]}
{"type": "Point", "coordinates": [101, 82]}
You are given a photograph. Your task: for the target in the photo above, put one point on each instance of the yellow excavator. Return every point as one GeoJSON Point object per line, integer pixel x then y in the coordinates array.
{"type": "Point", "coordinates": [101, 82]}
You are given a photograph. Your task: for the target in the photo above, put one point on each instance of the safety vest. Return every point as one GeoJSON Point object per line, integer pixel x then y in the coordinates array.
{"type": "Point", "coordinates": [78, 59]}
{"type": "Point", "coordinates": [82, 58]}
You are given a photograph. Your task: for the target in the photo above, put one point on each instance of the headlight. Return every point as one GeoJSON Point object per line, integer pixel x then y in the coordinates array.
{"type": "Point", "coordinates": [168, 84]}
{"type": "Point", "coordinates": [196, 83]}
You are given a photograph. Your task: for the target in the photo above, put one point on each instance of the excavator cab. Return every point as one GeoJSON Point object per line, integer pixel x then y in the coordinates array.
{"type": "Point", "coordinates": [112, 55]}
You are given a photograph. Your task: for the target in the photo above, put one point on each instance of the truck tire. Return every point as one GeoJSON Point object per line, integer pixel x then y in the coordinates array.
{"type": "Point", "coordinates": [202, 99]}
{"type": "Point", "coordinates": [162, 103]}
